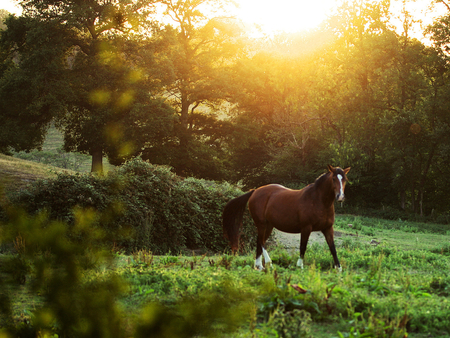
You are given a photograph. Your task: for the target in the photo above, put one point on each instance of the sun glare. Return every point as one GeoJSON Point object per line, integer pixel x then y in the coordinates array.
{"type": "Point", "coordinates": [11, 6]}
{"type": "Point", "coordinates": [284, 15]}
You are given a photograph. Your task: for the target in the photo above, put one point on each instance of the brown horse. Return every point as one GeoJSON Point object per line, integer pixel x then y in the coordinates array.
{"type": "Point", "coordinates": [293, 211]}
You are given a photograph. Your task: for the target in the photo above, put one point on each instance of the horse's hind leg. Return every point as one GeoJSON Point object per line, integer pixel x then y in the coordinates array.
{"type": "Point", "coordinates": [329, 237]}
{"type": "Point", "coordinates": [263, 234]}
{"type": "Point", "coordinates": [303, 244]}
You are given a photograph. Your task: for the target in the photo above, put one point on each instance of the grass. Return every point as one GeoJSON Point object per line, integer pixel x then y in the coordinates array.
{"type": "Point", "coordinates": [23, 168]}
{"type": "Point", "coordinates": [394, 279]}
{"type": "Point", "coordinates": [378, 282]}
{"type": "Point", "coordinates": [383, 289]}
{"type": "Point", "coordinates": [52, 153]}
{"type": "Point", "coordinates": [405, 235]}
{"type": "Point", "coordinates": [16, 173]}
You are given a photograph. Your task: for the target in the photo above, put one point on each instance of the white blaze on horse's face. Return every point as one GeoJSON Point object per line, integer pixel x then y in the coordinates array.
{"type": "Point", "coordinates": [340, 196]}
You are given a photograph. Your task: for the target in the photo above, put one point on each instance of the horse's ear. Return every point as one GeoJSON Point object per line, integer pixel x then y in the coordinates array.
{"type": "Point", "coordinates": [346, 170]}
{"type": "Point", "coordinates": [331, 169]}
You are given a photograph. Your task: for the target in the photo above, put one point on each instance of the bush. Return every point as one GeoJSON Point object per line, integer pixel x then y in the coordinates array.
{"type": "Point", "coordinates": [141, 206]}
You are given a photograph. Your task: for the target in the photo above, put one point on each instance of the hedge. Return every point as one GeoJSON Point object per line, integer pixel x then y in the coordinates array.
{"type": "Point", "coordinates": [140, 206]}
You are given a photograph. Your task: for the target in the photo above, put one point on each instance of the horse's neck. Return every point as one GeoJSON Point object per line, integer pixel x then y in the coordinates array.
{"type": "Point", "coordinates": [325, 191]}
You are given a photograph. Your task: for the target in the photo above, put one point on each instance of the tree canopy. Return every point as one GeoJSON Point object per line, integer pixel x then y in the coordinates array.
{"type": "Point", "coordinates": [180, 83]}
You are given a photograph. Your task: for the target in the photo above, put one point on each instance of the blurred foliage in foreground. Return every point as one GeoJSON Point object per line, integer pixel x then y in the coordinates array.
{"type": "Point", "coordinates": [78, 293]}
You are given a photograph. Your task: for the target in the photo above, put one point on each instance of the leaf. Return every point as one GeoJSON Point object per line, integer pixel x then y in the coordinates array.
{"type": "Point", "coordinates": [298, 289]}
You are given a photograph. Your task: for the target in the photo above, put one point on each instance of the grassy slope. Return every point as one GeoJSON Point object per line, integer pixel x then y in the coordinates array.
{"type": "Point", "coordinates": [16, 173]}
{"type": "Point", "coordinates": [52, 153]}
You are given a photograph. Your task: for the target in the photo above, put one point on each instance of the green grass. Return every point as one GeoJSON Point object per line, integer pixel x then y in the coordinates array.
{"type": "Point", "coordinates": [380, 283]}
{"type": "Point", "coordinates": [380, 286]}
{"type": "Point", "coordinates": [23, 168]}
{"type": "Point", "coordinates": [52, 153]}
{"type": "Point", "coordinates": [395, 279]}
{"type": "Point", "coordinates": [16, 173]}
{"type": "Point", "coordinates": [405, 235]}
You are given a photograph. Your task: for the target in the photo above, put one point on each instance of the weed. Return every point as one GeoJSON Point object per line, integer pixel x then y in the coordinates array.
{"type": "Point", "coordinates": [375, 326]}
{"type": "Point", "coordinates": [287, 324]}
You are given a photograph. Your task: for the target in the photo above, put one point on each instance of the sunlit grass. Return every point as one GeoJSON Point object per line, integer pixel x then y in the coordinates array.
{"type": "Point", "coordinates": [16, 173]}
{"type": "Point", "coordinates": [395, 274]}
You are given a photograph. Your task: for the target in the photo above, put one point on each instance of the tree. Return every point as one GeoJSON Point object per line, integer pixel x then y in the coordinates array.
{"type": "Point", "coordinates": [31, 91]}
{"type": "Point", "coordinates": [203, 53]}
{"type": "Point", "coordinates": [108, 99]}
{"type": "Point", "coordinates": [383, 93]}
{"type": "Point", "coordinates": [276, 132]}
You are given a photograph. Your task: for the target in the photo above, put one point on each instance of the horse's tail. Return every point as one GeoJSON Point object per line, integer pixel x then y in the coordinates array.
{"type": "Point", "coordinates": [233, 213]}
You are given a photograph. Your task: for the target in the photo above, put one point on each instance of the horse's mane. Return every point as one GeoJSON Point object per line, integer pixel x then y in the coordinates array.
{"type": "Point", "coordinates": [321, 179]}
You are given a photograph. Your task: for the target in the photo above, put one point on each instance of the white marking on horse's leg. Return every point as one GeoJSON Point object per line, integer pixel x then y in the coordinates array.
{"type": "Point", "coordinates": [266, 257]}
{"type": "Point", "coordinates": [258, 263]}
{"type": "Point", "coordinates": [300, 263]}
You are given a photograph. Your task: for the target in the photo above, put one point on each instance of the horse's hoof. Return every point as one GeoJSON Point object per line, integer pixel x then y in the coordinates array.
{"type": "Point", "coordinates": [300, 263]}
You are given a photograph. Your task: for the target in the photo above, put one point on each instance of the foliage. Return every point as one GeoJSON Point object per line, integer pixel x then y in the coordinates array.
{"type": "Point", "coordinates": [28, 103]}
{"type": "Point", "coordinates": [99, 94]}
{"type": "Point", "coordinates": [204, 98]}
{"type": "Point", "coordinates": [78, 298]}
{"type": "Point", "coordinates": [70, 308]}
{"type": "Point", "coordinates": [202, 53]}
{"type": "Point", "coordinates": [140, 206]}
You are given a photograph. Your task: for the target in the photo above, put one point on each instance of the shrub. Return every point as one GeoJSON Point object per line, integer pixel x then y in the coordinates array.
{"type": "Point", "coordinates": [141, 206]}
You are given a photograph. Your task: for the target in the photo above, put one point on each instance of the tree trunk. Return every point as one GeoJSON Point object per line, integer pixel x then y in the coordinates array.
{"type": "Point", "coordinates": [97, 161]}
{"type": "Point", "coordinates": [183, 160]}
{"type": "Point", "coordinates": [402, 199]}
{"type": "Point", "coordinates": [423, 179]}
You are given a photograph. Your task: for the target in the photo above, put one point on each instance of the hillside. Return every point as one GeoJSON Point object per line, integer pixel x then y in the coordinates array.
{"type": "Point", "coordinates": [16, 173]}
{"type": "Point", "coordinates": [53, 154]}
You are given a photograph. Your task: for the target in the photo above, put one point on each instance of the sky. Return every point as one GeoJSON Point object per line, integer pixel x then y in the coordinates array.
{"type": "Point", "coordinates": [300, 15]}
{"type": "Point", "coordinates": [285, 15]}
{"type": "Point", "coordinates": [10, 6]}
{"type": "Point", "coordinates": [288, 15]}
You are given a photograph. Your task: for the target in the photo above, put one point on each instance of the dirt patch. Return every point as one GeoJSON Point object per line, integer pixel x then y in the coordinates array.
{"type": "Point", "coordinates": [292, 241]}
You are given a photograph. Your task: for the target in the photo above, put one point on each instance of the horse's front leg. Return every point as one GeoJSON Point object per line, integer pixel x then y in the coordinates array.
{"type": "Point", "coordinates": [303, 244]}
{"type": "Point", "coordinates": [263, 234]}
{"type": "Point", "coordinates": [329, 237]}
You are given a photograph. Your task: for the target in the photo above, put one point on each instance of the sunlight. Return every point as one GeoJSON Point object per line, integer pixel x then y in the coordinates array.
{"type": "Point", "coordinates": [284, 15]}
{"type": "Point", "coordinates": [11, 6]}
{"type": "Point", "coordinates": [301, 15]}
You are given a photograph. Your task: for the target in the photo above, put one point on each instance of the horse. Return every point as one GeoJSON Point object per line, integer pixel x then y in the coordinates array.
{"type": "Point", "coordinates": [292, 211]}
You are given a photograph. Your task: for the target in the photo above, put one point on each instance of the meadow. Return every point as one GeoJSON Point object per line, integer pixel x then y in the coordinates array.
{"type": "Point", "coordinates": [52, 153]}
{"type": "Point", "coordinates": [397, 287]}
{"type": "Point", "coordinates": [394, 282]}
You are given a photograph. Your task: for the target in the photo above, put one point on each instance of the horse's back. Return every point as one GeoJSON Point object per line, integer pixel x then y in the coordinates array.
{"type": "Point", "coordinates": [274, 204]}
{"type": "Point", "coordinates": [288, 210]}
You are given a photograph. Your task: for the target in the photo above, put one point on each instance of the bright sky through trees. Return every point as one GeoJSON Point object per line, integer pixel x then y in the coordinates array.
{"type": "Point", "coordinates": [295, 15]}
{"type": "Point", "coordinates": [285, 15]}
{"type": "Point", "coordinates": [300, 15]}
{"type": "Point", "coordinates": [11, 6]}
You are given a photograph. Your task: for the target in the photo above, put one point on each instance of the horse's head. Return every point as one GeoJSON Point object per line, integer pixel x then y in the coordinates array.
{"type": "Point", "coordinates": [339, 181]}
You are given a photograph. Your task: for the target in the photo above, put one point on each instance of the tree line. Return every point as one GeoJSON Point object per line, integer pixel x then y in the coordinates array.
{"type": "Point", "coordinates": [201, 95]}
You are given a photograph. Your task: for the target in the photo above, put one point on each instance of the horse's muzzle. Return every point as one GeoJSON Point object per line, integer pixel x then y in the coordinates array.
{"type": "Point", "coordinates": [340, 197]}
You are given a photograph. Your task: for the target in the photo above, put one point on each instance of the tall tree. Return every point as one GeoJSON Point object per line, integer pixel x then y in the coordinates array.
{"type": "Point", "coordinates": [107, 97]}
{"type": "Point", "coordinates": [204, 50]}
{"type": "Point", "coordinates": [276, 131]}
{"type": "Point", "coordinates": [32, 86]}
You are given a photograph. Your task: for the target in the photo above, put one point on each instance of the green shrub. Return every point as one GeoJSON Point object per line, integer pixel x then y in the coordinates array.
{"type": "Point", "coordinates": [287, 324]}
{"type": "Point", "coordinates": [141, 206]}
